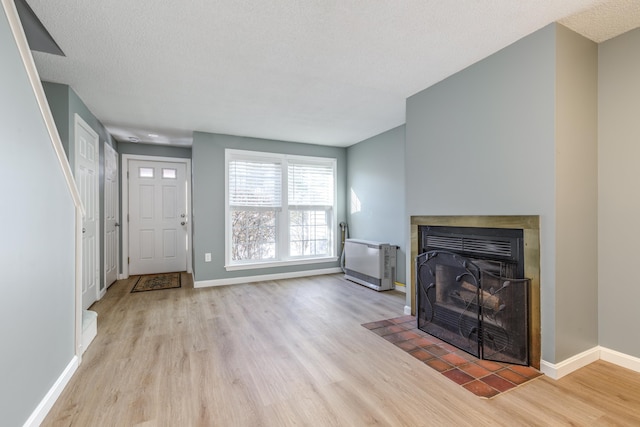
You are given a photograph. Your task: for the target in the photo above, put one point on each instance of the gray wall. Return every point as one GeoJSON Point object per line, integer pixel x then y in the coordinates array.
{"type": "Point", "coordinates": [65, 104]}
{"type": "Point", "coordinates": [153, 150]}
{"type": "Point", "coordinates": [38, 248]}
{"type": "Point", "coordinates": [208, 153]}
{"type": "Point", "coordinates": [576, 170]}
{"type": "Point", "coordinates": [58, 99]}
{"type": "Point", "coordinates": [375, 175]}
{"type": "Point", "coordinates": [483, 142]}
{"type": "Point", "coordinates": [619, 204]}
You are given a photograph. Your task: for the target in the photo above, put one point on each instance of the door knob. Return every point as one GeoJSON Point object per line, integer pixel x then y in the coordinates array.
{"type": "Point", "coordinates": [117, 224]}
{"type": "Point", "coordinates": [182, 223]}
{"type": "Point", "coordinates": [84, 230]}
{"type": "Point", "coordinates": [183, 215]}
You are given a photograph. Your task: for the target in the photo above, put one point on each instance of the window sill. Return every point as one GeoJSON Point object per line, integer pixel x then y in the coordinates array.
{"type": "Point", "coordinates": [269, 264]}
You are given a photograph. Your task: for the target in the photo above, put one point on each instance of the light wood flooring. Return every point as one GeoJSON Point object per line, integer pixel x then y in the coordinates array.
{"type": "Point", "coordinates": [293, 353]}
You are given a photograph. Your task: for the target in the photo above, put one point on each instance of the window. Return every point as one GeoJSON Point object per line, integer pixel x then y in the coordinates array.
{"type": "Point", "coordinates": [280, 209]}
{"type": "Point", "coordinates": [145, 172]}
{"type": "Point", "coordinates": [169, 173]}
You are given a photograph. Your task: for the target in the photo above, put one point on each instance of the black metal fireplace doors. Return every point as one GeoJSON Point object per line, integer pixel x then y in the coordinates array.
{"type": "Point", "coordinates": [474, 310]}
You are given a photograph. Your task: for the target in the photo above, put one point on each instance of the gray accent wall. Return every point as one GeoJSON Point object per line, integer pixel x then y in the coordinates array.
{"type": "Point", "coordinates": [375, 177]}
{"type": "Point", "coordinates": [153, 150]}
{"type": "Point", "coordinates": [37, 326]}
{"type": "Point", "coordinates": [483, 142]}
{"type": "Point", "coordinates": [619, 202]}
{"type": "Point", "coordinates": [208, 156]}
{"type": "Point", "coordinates": [576, 169]}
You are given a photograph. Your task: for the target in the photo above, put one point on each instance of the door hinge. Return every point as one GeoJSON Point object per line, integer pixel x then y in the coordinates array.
{"type": "Point", "coordinates": [127, 217]}
{"type": "Point", "coordinates": [128, 260]}
{"type": "Point", "coordinates": [127, 174]}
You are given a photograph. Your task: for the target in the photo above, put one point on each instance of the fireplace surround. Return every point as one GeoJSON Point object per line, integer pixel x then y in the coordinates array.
{"type": "Point", "coordinates": [529, 225]}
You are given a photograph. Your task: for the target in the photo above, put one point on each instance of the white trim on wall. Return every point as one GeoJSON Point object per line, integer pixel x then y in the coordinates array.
{"type": "Point", "coordinates": [567, 366]}
{"type": "Point", "coordinates": [37, 416]}
{"type": "Point", "coordinates": [572, 364]}
{"type": "Point", "coordinates": [265, 277]}
{"type": "Point", "coordinates": [124, 202]}
{"type": "Point", "coordinates": [620, 359]}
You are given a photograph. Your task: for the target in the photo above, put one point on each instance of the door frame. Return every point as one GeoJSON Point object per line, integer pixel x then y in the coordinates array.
{"type": "Point", "coordinates": [118, 221]}
{"type": "Point", "coordinates": [78, 121]}
{"type": "Point", "coordinates": [125, 205]}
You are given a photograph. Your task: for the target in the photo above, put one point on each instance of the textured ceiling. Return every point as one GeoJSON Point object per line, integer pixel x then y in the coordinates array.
{"type": "Point", "coordinates": [606, 20]}
{"type": "Point", "coordinates": [330, 72]}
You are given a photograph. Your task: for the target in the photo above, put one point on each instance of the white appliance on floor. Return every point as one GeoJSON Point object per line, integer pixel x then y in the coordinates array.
{"type": "Point", "coordinates": [371, 264]}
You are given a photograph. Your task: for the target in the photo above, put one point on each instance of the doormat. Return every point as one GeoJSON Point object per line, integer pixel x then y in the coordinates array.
{"type": "Point", "coordinates": [484, 378]}
{"type": "Point", "coordinates": [154, 282]}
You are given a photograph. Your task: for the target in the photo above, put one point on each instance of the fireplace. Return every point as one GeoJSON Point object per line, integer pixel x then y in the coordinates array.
{"type": "Point", "coordinates": [471, 293]}
{"type": "Point", "coordinates": [476, 284]}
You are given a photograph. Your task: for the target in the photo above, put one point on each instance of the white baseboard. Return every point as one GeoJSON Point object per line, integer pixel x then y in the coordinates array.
{"type": "Point", "coordinates": [52, 395]}
{"type": "Point", "coordinates": [122, 276]}
{"type": "Point", "coordinates": [265, 277]}
{"type": "Point", "coordinates": [559, 370]}
{"type": "Point", "coordinates": [620, 359]}
{"type": "Point", "coordinates": [567, 366]}
{"type": "Point", "coordinates": [89, 328]}
{"type": "Point", "coordinates": [407, 310]}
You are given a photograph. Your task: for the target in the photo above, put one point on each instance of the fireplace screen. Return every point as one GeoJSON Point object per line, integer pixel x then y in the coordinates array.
{"type": "Point", "coordinates": [472, 308]}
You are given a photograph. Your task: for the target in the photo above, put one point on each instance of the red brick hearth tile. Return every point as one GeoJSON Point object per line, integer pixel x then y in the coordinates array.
{"type": "Point", "coordinates": [438, 365]}
{"type": "Point", "coordinates": [469, 357]}
{"type": "Point", "coordinates": [436, 350]}
{"type": "Point", "coordinates": [498, 383]}
{"type": "Point", "coordinates": [422, 342]}
{"type": "Point", "coordinates": [387, 330]}
{"type": "Point", "coordinates": [408, 335]}
{"type": "Point", "coordinates": [454, 359]}
{"type": "Point", "coordinates": [457, 376]}
{"type": "Point", "coordinates": [422, 355]}
{"type": "Point", "coordinates": [410, 326]}
{"type": "Point", "coordinates": [378, 324]}
{"type": "Point", "coordinates": [422, 333]}
{"type": "Point", "coordinates": [512, 376]}
{"type": "Point", "coordinates": [481, 389]}
{"type": "Point", "coordinates": [474, 370]}
{"type": "Point", "coordinates": [403, 319]}
{"type": "Point", "coordinates": [526, 371]}
{"type": "Point", "coordinates": [394, 338]}
{"type": "Point", "coordinates": [406, 345]}
{"type": "Point", "coordinates": [449, 347]}
{"type": "Point", "coordinates": [488, 364]}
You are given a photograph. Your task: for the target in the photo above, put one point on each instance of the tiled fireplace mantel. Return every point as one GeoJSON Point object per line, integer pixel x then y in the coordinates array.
{"type": "Point", "coordinates": [530, 224]}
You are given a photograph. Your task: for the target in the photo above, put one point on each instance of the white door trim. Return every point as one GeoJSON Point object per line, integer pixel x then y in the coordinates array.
{"type": "Point", "coordinates": [125, 205]}
{"type": "Point", "coordinates": [108, 147]}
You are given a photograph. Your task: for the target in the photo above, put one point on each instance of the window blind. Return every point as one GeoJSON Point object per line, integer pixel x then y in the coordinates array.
{"type": "Point", "coordinates": [255, 184]}
{"type": "Point", "coordinates": [310, 184]}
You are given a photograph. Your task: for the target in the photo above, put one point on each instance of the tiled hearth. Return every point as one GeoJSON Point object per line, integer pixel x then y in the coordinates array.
{"type": "Point", "coordinates": [483, 378]}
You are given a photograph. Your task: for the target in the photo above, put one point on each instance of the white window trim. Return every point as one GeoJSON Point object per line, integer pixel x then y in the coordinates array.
{"type": "Point", "coordinates": [283, 233]}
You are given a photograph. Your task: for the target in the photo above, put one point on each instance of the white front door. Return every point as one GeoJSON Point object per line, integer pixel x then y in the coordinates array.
{"type": "Point", "coordinates": [86, 170]}
{"type": "Point", "coordinates": [157, 217]}
{"type": "Point", "coordinates": [111, 225]}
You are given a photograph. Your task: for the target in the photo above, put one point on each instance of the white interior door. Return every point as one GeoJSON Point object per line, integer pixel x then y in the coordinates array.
{"type": "Point", "coordinates": [86, 168]}
{"type": "Point", "coordinates": [111, 225]}
{"type": "Point", "coordinates": [157, 217]}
